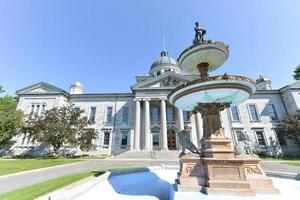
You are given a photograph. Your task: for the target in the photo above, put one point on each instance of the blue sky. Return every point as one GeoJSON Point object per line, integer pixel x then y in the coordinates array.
{"type": "Point", "coordinates": [105, 44]}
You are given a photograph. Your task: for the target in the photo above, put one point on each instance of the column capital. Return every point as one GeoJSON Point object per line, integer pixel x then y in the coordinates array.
{"type": "Point", "coordinates": [137, 99]}
{"type": "Point", "coordinates": [146, 99]}
{"type": "Point", "coordinates": [163, 98]}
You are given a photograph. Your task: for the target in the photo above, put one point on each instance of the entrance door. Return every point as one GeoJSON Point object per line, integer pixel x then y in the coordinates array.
{"type": "Point", "coordinates": [171, 141]}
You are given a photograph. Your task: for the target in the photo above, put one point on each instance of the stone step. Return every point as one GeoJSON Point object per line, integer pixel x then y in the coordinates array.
{"type": "Point", "coordinates": [155, 154]}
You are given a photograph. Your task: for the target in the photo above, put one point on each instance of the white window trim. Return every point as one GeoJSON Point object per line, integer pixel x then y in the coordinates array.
{"type": "Point", "coordinates": [105, 146]}
{"type": "Point", "coordinates": [264, 135]}
{"type": "Point", "coordinates": [271, 120]}
{"type": "Point", "coordinates": [89, 113]}
{"type": "Point", "coordinates": [128, 138]}
{"type": "Point", "coordinates": [235, 135]}
{"type": "Point", "coordinates": [249, 112]}
{"type": "Point", "coordinates": [239, 114]}
{"type": "Point", "coordinates": [125, 122]}
{"type": "Point", "coordinates": [112, 114]}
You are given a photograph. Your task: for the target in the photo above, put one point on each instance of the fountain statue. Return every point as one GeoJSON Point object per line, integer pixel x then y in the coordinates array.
{"type": "Point", "coordinates": [215, 168]}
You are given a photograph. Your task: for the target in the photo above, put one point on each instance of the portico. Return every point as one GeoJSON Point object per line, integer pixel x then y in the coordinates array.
{"type": "Point", "coordinates": [156, 124]}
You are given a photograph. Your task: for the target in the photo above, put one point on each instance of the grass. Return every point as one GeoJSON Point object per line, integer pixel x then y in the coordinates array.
{"type": "Point", "coordinates": [9, 166]}
{"type": "Point", "coordinates": [37, 190]}
{"type": "Point", "coordinates": [293, 162]}
{"type": "Point", "coordinates": [287, 160]}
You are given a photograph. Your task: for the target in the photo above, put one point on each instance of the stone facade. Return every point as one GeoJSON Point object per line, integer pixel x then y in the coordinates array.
{"type": "Point", "coordinates": [144, 119]}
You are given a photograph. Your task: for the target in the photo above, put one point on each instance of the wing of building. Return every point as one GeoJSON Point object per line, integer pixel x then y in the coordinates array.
{"type": "Point", "coordinates": [144, 121]}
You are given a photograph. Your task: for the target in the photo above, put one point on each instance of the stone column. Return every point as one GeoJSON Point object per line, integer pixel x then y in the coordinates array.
{"type": "Point", "coordinates": [180, 119]}
{"type": "Point", "coordinates": [163, 121]}
{"type": "Point", "coordinates": [198, 129]}
{"type": "Point", "coordinates": [147, 124]}
{"type": "Point", "coordinates": [137, 124]}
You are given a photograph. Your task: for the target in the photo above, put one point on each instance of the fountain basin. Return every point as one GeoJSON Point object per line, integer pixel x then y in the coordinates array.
{"type": "Point", "coordinates": [152, 184]}
{"type": "Point", "coordinates": [214, 53]}
{"type": "Point", "coordinates": [216, 89]}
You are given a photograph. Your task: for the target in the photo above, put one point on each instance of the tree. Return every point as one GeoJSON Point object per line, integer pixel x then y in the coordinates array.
{"type": "Point", "coordinates": [297, 73]}
{"type": "Point", "coordinates": [61, 126]}
{"type": "Point", "coordinates": [1, 89]}
{"type": "Point", "coordinates": [290, 127]}
{"type": "Point", "coordinates": [10, 119]}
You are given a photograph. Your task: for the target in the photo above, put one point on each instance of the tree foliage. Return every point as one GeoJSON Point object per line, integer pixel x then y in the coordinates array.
{"type": "Point", "coordinates": [1, 89]}
{"type": "Point", "coordinates": [10, 119]}
{"type": "Point", "coordinates": [61, 126]}
{"type": "Point", "coordinates": [290, 125]}
{"type": "Point", "coordinates": [297, 73]}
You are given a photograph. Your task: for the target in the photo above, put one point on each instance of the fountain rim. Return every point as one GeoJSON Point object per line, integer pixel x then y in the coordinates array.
{"type": "Point", "coordinates": [205, 42]}
{"type": "Point", "coordinates": [174, 97]}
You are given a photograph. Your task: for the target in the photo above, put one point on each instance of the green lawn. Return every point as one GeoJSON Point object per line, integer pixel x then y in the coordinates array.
{"type": "Point", "coordinates": [9, 166]}
{"type": "Point", "coordinates": [37, 190]}
{"type": "Point", "coordinates": [293, 162]}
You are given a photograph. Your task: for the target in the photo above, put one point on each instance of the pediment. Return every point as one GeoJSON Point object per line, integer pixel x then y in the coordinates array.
{"type": "Point", "coordinates": [41, 88]}
{"type": "Point", "coordinates": [161, 82]}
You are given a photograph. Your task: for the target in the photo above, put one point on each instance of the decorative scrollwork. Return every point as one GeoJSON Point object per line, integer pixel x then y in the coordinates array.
{"type": "Point", "coordinates": [169, 82]}
{"type": "Point", "coordinates": [252, 170]}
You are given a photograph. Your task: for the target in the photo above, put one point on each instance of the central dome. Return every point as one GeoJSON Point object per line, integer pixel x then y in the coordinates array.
{"type": "Point", "coordinates": [164, 64]}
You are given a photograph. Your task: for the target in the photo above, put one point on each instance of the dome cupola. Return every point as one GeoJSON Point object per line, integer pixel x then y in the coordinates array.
{"type": "Point", "coordinates": [263, 83]}
{"type": "Point", "coordinates": [164, 64]}
{"type": "Point", "coordinates": [76, 88]}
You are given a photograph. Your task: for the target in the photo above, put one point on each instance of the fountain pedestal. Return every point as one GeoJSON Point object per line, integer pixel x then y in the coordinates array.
{"type": "Point", "coordinates": [218, 170]}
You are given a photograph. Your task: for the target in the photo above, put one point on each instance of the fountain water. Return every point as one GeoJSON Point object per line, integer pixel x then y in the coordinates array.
{"type": "Point", "coordinates": [217, 169]}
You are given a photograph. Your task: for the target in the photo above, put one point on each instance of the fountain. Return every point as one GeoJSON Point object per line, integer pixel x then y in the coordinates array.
{"type": "Point", "coordinates": [216, 169]}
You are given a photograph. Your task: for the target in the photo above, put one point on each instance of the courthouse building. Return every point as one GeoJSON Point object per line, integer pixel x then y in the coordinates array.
{"type": "Point", "coordinates": [144, 120]}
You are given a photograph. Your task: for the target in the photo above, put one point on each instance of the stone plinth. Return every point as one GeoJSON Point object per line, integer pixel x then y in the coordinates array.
{"type": "Point", "coordinates": [231, 175]}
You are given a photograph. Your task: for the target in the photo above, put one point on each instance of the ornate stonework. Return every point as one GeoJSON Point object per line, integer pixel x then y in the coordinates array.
{"type": "Point", "coordinates": [169, 82]}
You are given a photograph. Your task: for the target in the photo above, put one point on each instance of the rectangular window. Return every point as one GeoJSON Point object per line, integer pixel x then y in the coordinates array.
{"type": "Point", "coordinates": [239, 135]}
{"type": "Point", "coordinates": [154, 114]}
{"type": "Point", "coordinates": [155, 140]}
{"type": "Point", "coordinates": [43, 109]}
{"type": "Point", "coordinates": [106, 138]}
{"type": "Point", "coordinates": [170, 114]}
{"type": "Point", "coordinates": [260, 137]}
{"type": "Point", "coordinates": [253, 113]}
{"type": "Point", "coordinates": [186, 116]}
{"type": "Point", "coordinates": [124, 138]}
{"type": "Point", "coordinates": [93, 114]}
{"type": "Point", "coordinates": [234, 113]}
{"type": "Point", "coordinates": [32, 109]}
{"type": "Point", "coordinates": [125, 117]}
{"type": "Point", "coordinates": [37, 111]}
{"type": "Point", "coordinates": [272, 112]}
{"type": "Point", "coordinates": [109, 114]}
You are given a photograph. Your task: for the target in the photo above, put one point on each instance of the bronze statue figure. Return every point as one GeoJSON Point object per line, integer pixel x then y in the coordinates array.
{"type": "Point", "coordinates": [199, 33]}
{"type": "Point", "coordinates": [185, 142]}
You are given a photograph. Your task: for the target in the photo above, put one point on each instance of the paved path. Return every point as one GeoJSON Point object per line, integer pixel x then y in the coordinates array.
{"type": "Point", "coordinates": [280, 167]}
{"type": "Point", "coordinates": [13, 182]}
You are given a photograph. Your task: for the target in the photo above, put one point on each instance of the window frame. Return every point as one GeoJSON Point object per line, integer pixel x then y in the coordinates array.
{"type": "Point", "coordinates": [156, 135]}
{"type": "Point", "coordinates": [106, 139]}
{"type": "Point", "coordinates": [256, 111]}
{"type": "Point", "coordinates": [274, 110]}
{"type": "Point", "coordinates": [238, 114]}
{"type": "Point", "coordinates": [94, 115]}
{"type": "Point", "coordinates": [123, 132]}
{"type": "Point", "coordinates": [263, 137]}
{"type": "Point", "coordinates": [152, 114]}
{"type": "Point", "coordinates": [173, 117]}
{"type": "Point", "coordinates": [127, 115]}
{"type": "Point", "coordinates": [106, 114]}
